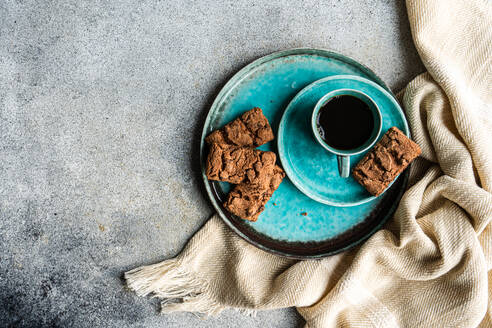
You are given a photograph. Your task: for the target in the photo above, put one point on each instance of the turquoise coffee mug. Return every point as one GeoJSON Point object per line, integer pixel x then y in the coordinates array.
{"type": "Point", "coordinates": [343, 156]}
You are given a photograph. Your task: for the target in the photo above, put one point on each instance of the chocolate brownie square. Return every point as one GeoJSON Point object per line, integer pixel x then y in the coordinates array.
{"type": "Point", "coordinates": [389, 157]}
{"type": "Point", "coordinates": [239, 164]}
{"type": "Point", "coordinates": [248, 200]}
{"type": "Point", "coordinates": [250, 129]}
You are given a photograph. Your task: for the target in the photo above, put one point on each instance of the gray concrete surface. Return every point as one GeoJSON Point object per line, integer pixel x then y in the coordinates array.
{"type": "Point", "coordinates": [101, 106]}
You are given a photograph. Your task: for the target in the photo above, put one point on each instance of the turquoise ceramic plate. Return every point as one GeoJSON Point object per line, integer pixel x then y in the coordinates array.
{"type": "Point", "coordinates": [311, 168]}
{"type": "Point", "coordinates": [293, 224]}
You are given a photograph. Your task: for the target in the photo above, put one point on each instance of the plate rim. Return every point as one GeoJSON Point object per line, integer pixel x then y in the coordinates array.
{"type": "Point", "coordinates": [281, 150]}
{"type": "Point", "coordinates": [228, 86]}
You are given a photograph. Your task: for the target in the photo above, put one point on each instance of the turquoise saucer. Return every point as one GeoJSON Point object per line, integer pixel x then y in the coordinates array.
{"type": "Point", "coordinates": [311, 168]}
{"type": "Point", "coordinates": [293, 224]}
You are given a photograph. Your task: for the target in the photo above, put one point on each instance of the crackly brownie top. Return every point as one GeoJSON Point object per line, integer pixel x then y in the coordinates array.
{"type": "Point", "coordinates": [389, 157]}
{"type": "Point", "coordinates": [247, 200]}
{"type": "Point", "coordinates": [250, 129]}
{"type": "Point", "coordinates": [239, 164]}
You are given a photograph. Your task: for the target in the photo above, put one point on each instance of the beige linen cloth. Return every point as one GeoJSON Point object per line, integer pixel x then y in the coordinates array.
{"type": "Point", "coordinates": [430, 265]}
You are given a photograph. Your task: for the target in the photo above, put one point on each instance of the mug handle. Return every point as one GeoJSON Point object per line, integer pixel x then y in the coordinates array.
{"type": "Point", "coordinates": [343, 166]}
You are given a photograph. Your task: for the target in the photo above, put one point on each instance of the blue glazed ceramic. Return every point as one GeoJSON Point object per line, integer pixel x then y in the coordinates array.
{"type": "Point", "coordinates": [293, 224]}
{"type": "Point", "coordinates": [309, 166]}
{"type": "Point", "coordinates": [343, 156]}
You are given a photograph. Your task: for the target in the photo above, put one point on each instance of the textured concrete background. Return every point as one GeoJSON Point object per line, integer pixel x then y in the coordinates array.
{"type": "Point", "coordinates": [101, 106]}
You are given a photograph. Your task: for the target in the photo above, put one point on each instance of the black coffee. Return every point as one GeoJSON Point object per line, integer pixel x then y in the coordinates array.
{"type": "Point", "coordinates": [345, 122]}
